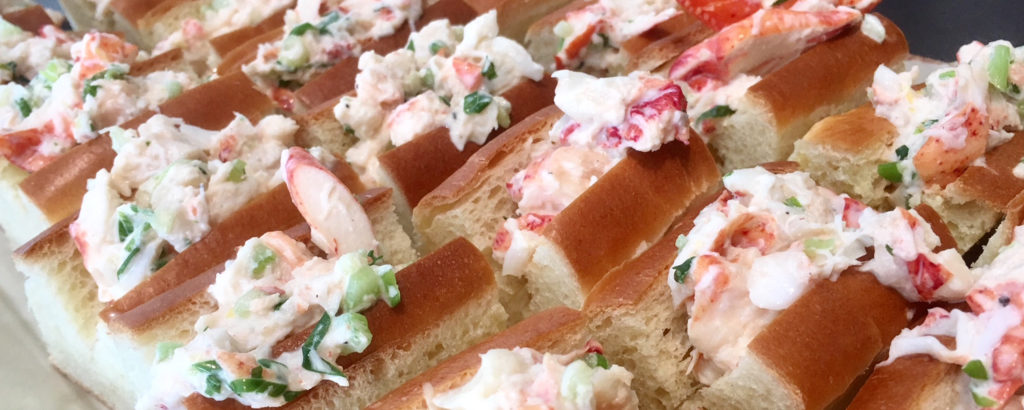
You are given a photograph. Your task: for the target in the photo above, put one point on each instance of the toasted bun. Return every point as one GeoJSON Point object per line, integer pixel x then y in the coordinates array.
{"type": "Point", "coordinates": [827, 79]}
{"type": "Point", "coordinates": [654, 50]}
{"type": "Point", "coordinates": [420, 165]}
{"type": "Point", "coordinates": [449, 302]}
{"type": "Point", "coordinates": [540, 38]}
{"type": "Point", "coordinates": [169, 60]}
{"type": "Point", "coordinates": [559, 330]}
{"type": "Point", "coordinates": [29, 19]}
{"type": "Point", "coordinates": [516, 16]}
{"type": "Point", "coordinates": [916, 382]}
{"type": "Point", "coordinates": [57, 189]}
{"type": "Point", "coordinates": [243, 39]}
{"type": "Point", "coordinates": [332, 84]}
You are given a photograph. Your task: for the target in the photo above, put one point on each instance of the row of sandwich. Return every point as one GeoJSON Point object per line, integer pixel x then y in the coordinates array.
{"type": "Point", "coordinates": [505, 204]}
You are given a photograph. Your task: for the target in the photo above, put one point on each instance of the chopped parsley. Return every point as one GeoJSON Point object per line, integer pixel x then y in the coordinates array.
{"type": "Point", "coordinates": [793, 202]}
{"type": "Point", "coordinates": [437, 46]}
{"type": "Point", "coordinates": [679, 272]}
{"type": "Point", "coordinates": [902, 152]}
{"type": "Point", "coordinates": [24, 107]}
{"type": "Point", "coordinates": [476, 102]}
{"type": "Point", "coordinates": [718, 111]}
{"type": "Point", "coordinates": [488, 71]}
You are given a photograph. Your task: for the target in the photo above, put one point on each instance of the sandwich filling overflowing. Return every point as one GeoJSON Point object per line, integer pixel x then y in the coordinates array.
{"type": "Point", "coordinates": [447, 76]}
{"type": "Point", "coordinates": [946, 126]}
{"type": "Point", "coordinates": [68, 103]}
{"type": "Point", "coordinates": [170, 183]}
{"type": "Point", "coordinates": [716, 74]}
{"type": "Point", "coordinates": [590, 38]}
{"type": "Point", "coordinates": [988, 341]}
{"type": "Point", "coordinates": [26, 54]}
{"type": "Point", "coordinates": [525, 378]}
{"type": "Point", "coordinates": [314, 42]}
{"type": "Point", "coordinates": [273, 289]}
{"type": "Point", "coordinates": [769, 237]}
{"type": "Point", "coordinates": [604, 119]}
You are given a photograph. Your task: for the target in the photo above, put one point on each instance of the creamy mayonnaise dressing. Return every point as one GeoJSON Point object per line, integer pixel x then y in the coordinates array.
{"type": "Point", "coordinates": [525, 378]}
{"type": "Point", "coordinates": [988, 339]}
{"type": "Point", "coordinates": [604, 118]}
{"type": "Point", "coordinates": [274, 288]}
{"type": "Point", "coordinates": [169, 184]}
{"type": "Point", "coordinates": [591, 37]}
{"type": "Point", "coordinates": [446, 75]}
{"type": "Point", "coordinates": [69, 103]}
{"type": "Point", "coordinates": [217, 17]}
{"type": "Point", "coordinates": [716, 73]}
{"type": "Point", "coordinates": [310, 46]}
{"type": "Point", "coordinates": [24, 54]}
{"type": "Point", "coordinates": [949, 123]}
{"type": "Point", "coordinates": [769, 237]}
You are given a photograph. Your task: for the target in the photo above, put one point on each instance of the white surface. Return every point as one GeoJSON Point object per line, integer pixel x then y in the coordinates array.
{"type": "Point", "coordinates": [28, 380]}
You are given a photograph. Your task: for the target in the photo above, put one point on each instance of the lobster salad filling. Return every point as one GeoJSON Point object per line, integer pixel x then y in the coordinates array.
{"type": "Point", "coordinates": [961, 112]}
{"type": "Point", "coordinates": [447, 76]}
{"type": "Point", "coordinates": [988, 339]}
{"type": "Point", "coordinates": [314, 43]}
{"type": "Point", "coordinates": [274, 288]}
{"type": "Point", "coordinates": [716, 73]}
{"type": "Point", "coordinates": [769, 237]}
{"type": "Point", "coordinates": [525, 378]}
{"type": "Point", "coordinates": [216, 17]}
{"type": "Point", "coordinates": [604, 118]}
{"type": "Point", "coordinates": [68, 103]}
{"type": "Point", "coordinates": [170, 183]}
{"type": "Point", "coordinates": [590, 38]}
{"type": "Point", "coordinates": [23, 54]}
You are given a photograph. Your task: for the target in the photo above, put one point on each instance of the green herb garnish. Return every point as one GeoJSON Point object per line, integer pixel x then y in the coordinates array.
{"type": "Point", "coordinates": [596, 360]}
{"type": "Point", "coordinates": [476, 102]}
{"type": "Point", "coordinates": [488, 71]}
{"type": "Point", "coordinates": [23, 107]}
{"type": "Point", "coordinates": [975, 369]}
{"type": "Point", "coordinates": [237, 172]}
{"type": "Point", "coordinates": [902, 152]}
{"type": "Point", "coordinates": [679, 272]}
{"type": "Point", "coordinates": [891, 172]}
{"type": "Point", "coordinates": [793, 202]}
{"type": "Point", "coordinates": [311, 360]}
{"type": "Point", "coordinates": [718, 111]}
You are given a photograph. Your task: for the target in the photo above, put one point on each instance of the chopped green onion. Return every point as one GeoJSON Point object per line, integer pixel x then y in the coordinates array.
{"type": "Point", "coordinates": [504, 119]}
{"type": "Point", "coordinates": [446, 100]}
{"type": "Point", "coordinates": [983, 400]}
{"type": "Point", "coordinates": [164, 350]}
{"type": "Point", "coordinates": [241, 307]}
{"type": "Point", "coordinates": [681, 241]}
{"type": "Point", "coordinates": [891, 172]}
{"type": "Point", "coordinates": [331, 18]}
{"type": "Point", "coordinates": [24, 107]}
{"type": "Point", "coordinates": [948, 74]}
{"type": "Point", "coordinates": [428, 79]}
{"type": "Point", "coordinates": [476, 102]}
{"type": "Point", "coordinates": [237, 172]}
{"type": "Point", "coordinates": [127, 261]}
{"type": "Point", "coordinates": [374, 258]}
{"type": "Point", "coordinates": [262, 258]}
{"type": "Point", "coordinates": [813, 245]}
{"type": "Point", "coordinates": [888, 249]}
{"type": "Point", "coordinates": [391, 296]}
{"type": "Point", "coordinates": [311, 360]}
{"type": "Point", "coordinates": [349, 130]}
{"type": "Point", "coordinates": [213, 385]}
{"type": "Point", "coordinates": [793, 202]}
{"type": "Point", "coordinates": [902, 152]}
{"type": "Point", "coordinates": [257, 385]}
{"type": "Point", "coordinates": [779, 3]}
{"type": "Point", "coordinates": [596, 360]}
{"type": "Point", "coordinates": [410, 46]}
{"type": "Point", "coordinates": [207, 367]}
{"type": "Point", "coordinates": [975, 369]}
{"type": "Point", "coordinates": [301, 29]}
{"type": "Point", "coordinates": [999, 68]}
{"type": "Point", "coordinates": [718, 111]}
{"type": "Point", "coordinates": [361, 290]}
{"type": "Point", "coordinates": [437, 46]}
{"type": "Point", "coordinates": [488, 71]}
{"type": "Point", "coordinates": [115, 72]}
{"type": "Point", "coordinates": [293, 53]}
{"type": "Point", "coordinates": [53, 70]}
{"type": "Point", "coordinates": [924, 125]}
{"type": "Point", "coordinates": [682, 270]}
{"type": "Point", "coordinates": [174, 89]}
{"type": "Point", "coordinates": [359, 329]}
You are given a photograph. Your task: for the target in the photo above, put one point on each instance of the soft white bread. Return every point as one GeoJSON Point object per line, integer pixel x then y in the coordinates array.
{"type": "Point", "coordinates": [843, 152]}
{"type": "Point", "coordinates": [559, 331]}
{"type": "Point", "coordinates": [635, 203]}
{"type": "Point", "coordinates": [113, 357]}
{"type": "Point", "coordinates": [55, 192]}
{"type": "Point", "coordinates": [915, 382]}
{"type": "Point", "coordinates": [449, 303]}
{"type": "Point", "coordinates": [829, 78]}
{"type": "Point", "coordinates": [807, 357]}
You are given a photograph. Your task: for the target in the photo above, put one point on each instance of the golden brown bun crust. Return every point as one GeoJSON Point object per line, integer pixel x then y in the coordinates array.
{"type": "Point", "coordinates": [173, 284]}
{"type": "Point", "coordinates": [225, 44]}
{"type": "Point", "coordinates": [631, 204]}
{"type": "Point", "coordinates": [459, 183]}
{"type": "Point", "coordinates": [432, 288]}
{"type": "Point", "coordinates": [940, 228]}
{"type": "Point", "coordinates": [910, 382]}
{"type": "Point", "coordinates": [844, 64]}
{"type": "Point", "coordinates": [163, 61]}
{"type": "Point", "coordinates": [681, 23]}
{"type": "Point", "coordinates": [516, 16]}
{"type": "Point", "coordinates": [29, 19]}
{"type": "Point", "coordinates": [994, 183]}
{"type": "Point", "coordinates": [340, 79]}
{"type": "Point", "coordinates": [859, 130]}
{"type": "Point", "coordinates": [245, 49]}
{"type": "Point", "coordinates": [544, 331]}
{"type": "Point", "coordinates": [661, 48]}
{"type": "Point", "coordinates": [549, 20]}
{"type": "Point", "coordinates": [420, 165]}
{"type": "Point", "coordinates": [829, 336]}
{"type": "Point", "coordinates": [57, 188]}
